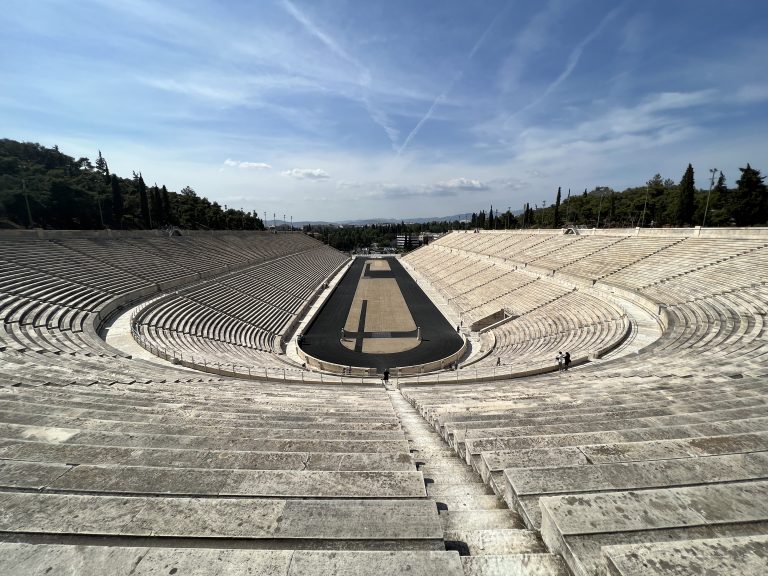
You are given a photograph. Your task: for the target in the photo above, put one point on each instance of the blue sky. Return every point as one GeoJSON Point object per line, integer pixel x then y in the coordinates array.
{"type": "Point", "coordinates": [360, 109]}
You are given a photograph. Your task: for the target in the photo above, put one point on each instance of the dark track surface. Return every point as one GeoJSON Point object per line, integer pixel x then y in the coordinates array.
{"type": "Point", "coordinates": [439, 339]}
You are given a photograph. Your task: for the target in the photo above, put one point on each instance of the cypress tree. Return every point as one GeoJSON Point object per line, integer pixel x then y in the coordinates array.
{"type": "Point", "coordinates": [557, 209]}
{"type": "Point", "coordinates": [102, 167]}
{"type": "Point", "coordinates": [749, 204]}
{"type": "Point", "coordinates": [166, 205]}
{"type": "Point", "coordinates": [143, 200]}
{"type": "Point", "coordinates": [686, 195]}
{"type": "Point", "coordinates": [117, 202]}
{"type": "Point", "coordinates": [155, 210]}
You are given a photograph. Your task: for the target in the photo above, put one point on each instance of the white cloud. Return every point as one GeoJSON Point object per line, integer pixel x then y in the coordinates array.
{"type": "Point", "coordinates": [462, 184]}
{"type": "Point", "coordinates": [247, 165]}
{"type": "Point", "coordinates": [307, 173]}
{"type": "Point", "coordinates": [394, 191]}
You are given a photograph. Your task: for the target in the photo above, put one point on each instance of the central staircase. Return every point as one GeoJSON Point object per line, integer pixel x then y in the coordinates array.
{"type": "Point", "coordinates": [491, 538]}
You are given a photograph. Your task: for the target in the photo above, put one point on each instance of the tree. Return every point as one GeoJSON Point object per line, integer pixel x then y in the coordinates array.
{"type": "Point", "coordinates": [718, 205]}
{"type": "Point", "coordinates": [155, 209]}
{"type": "Point", "coordinates": [117, 202]}
{"type": "Point", "coordinates": [166, 205]}
{"type": "Point", "coordinates": [686, 196]}
{"type": "Point", "coordinates": [71, 208]}
{"type": "Point", "coordinates": [557, 210]}
{"type": "Point", "coordinates": [102, 167]}
{"type": "Point", "coordinates": [749, 205]}
{"type": "Point", "coordinates": [141, 188]}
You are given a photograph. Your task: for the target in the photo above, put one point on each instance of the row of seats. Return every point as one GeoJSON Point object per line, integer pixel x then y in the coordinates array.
{"type": "Point", "coordinates": [549, 316]}
{"type": "Point", "coordinates": [655, 459]}
{"type": "Point", "coordinates": [248, 310]}
{"type": "Point", "coordinates": [113, 464]}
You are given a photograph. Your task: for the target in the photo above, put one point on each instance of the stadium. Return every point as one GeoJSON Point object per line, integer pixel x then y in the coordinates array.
{"type": "Point", "coordinates": [261, 403]}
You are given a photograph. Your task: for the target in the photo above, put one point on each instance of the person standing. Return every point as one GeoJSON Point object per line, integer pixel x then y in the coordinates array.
{"type": "Point", "coordinates": [560, 359]}
{"type": "Point", "coordinates": [567, 360]}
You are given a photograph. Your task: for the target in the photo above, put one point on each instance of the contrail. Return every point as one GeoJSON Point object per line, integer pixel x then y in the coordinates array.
{"type": "Point", "coordinates": [378, 116]}
{"type": "Point", "coordinates": [444, 94]}
{"type": "Point", "coordinates": [573, 60]}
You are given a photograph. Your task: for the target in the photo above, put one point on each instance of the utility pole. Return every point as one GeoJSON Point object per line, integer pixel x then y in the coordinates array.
{"type": "Point", "coordinates": [600, 206]}
{"type": "Point", "coordinates": [26, 199]}
{"type": "Point", "coordinates": [642, 220]}
{"type": "Point", "coordinates": [711, 185]}
{"type": "Point", "coordinates": [98, 203]}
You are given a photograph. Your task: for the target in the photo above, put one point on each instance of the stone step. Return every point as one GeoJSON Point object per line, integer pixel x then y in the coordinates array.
{"type": "Point", "coordinates": [414, 521]}
{"type": "Point", "coordinates": [618, 400]}
{"type": "Point", "coordinates": [746, 556]}
{"type": "Point", "coordinates": [177, 418]}
{"type": "Point", "coordinates": [578, 526]}
{"type": "Point", "coordinates": [439, 491]}
{"type": "Point", "coordinates": [682, 448]}
{"type": "Point", "coordinates": [436, 459]}
{"type": "Point", "coordinates": [597, 424]}
{"type": "Point", "coordinates": [448, 466]}
{"type": "Point", "coordinates": [213, 405]}
{"type": "Point", "coordinates": [480, 520]}
{"type": "Point", "coordinates": [75, 436]}
{"type": "Point", "coordinates": [494, 541]}
{"type": "Point", "coordinates": [472, 502]}
{"type": "Point", "coordinates": [244, 433]}
{"type": "Point", "coordinates": [527, 485]}
{"type": "Point", "coordinates": [514, 565]}
{"type": "Point", "coordinates": [489, 462]}
{"type": "Point", "coordinates": [22, 559]}
{"type": "Point", "coordinates": [167, 457]}
{"type": "Point", "coordinates": [442, 452]}
{"type": "Point", "coordinates": [744, 425]}
{"type": "Point", "coordinates": [450, 475]}
{"type": "Point", "coordinates": [598, 412]}
{"type": "Point", "coordinates": [210, 482]}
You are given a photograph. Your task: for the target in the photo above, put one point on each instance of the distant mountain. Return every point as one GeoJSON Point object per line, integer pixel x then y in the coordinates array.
{"type": "Point", "coordinates": [370, 221]}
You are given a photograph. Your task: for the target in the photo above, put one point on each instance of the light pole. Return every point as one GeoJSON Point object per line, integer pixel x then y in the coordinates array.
{"type": "Point", "coordinates": [600, 206]}
{"type": "Point", "coordinates": [26, 199]}
{"type": "Point", "coordinates": [98, 203]}
{"type": "Point", "coordinates": [711, 185]}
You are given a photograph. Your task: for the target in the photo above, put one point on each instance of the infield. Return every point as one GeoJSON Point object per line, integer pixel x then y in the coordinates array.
{"type": "Point", "coordinates": [381, 313]}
